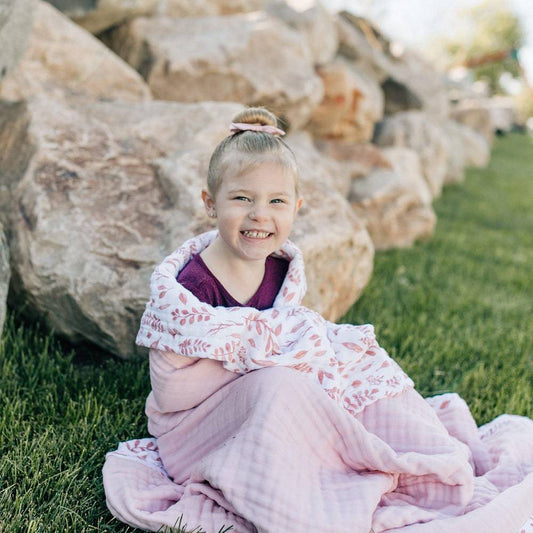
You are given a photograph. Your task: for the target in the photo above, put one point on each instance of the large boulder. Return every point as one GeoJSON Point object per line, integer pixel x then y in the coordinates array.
{"type": "Point", "coordinates": [63, 59]}
{"type": "Point", "coordinates": [112, 188]}
{"type": "Point", "coordinates": [351, 106]}
{"type": "Point", "coordinates": [98, 15]}
{"type": "Point", "coordinates": [408, 81]}
{"type": "Point", "coordinates": [395, 202]}
{"type": "Point", "coordinates": [418, 131]}
{"type": "Point", "coordinates": [251, 58]}
{"type": "Point", "coordinates": [15, 25]}
{"type": "Point", "coordinates": [89, 218]}
{"type": "Point", "coordinates": [4, 276]}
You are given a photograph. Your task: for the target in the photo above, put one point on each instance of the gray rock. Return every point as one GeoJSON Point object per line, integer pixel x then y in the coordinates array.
{"type": "Point", "coordinates": [251, 58]}
{"type": "Point", "coordinates": [467, 148]}
{"type": "Point", "coordinates": [395, 203]}
{"type": "Point", "coordinates": [314, 21]}
{"type": "Point", "coordinates": [16, 18]}
{"type": "Point", "coordinates": [4, 276]}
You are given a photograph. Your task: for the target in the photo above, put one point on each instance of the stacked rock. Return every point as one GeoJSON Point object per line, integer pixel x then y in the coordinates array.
{"type": "Point", "coordinates": [108, 121]}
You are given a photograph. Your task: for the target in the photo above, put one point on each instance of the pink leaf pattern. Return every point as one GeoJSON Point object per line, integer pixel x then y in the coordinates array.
{"type": "Point", "coordinates": [344, 359]}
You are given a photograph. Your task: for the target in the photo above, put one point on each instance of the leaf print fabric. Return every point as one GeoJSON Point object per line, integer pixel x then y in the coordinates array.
{"type": "Point", "coordinates": [345, 360]}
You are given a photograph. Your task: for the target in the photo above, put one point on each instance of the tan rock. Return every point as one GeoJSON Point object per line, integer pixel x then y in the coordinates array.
{"type": "Point", "coordinates": [313, 21]}
{"type": "Point", "coordinates": [337, 248]}
{"type": "Point", "coordinates": [113, 187]}
{"type": "Point", "coordinates": [317, 166]}
{"type": "Point", "coordinates": [351, 106]}
{"type": "Point", "coordinates": [396, 202]}
{"type": "Point", "coordinates": [417, 130]}
{"type": "Point", "coordinates": [4, 276]}
{"type": "Point", "coordinates": [408, 81]}
{"type": "Point", "coordinates": [252, 58]}
{"type": "Point", "coordinates": [97, 16]}
{"type": "Point", "coordinates": [355, 160]}
{"type": "Point", "coordinates": [52, 64]}
{"type": "Point", "coordinates": [16, 17]}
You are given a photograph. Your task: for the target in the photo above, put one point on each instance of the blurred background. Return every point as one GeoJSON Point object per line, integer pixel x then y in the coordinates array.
{"type": "Point", "coordinates": [485, 45]}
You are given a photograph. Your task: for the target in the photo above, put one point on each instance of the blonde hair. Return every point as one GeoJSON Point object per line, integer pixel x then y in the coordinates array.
{"type": "Point", "coordinates": [244, 150]}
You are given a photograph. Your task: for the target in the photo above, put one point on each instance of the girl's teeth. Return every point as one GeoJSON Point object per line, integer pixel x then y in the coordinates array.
{"type": "Point", "coordinates": [256, 234]}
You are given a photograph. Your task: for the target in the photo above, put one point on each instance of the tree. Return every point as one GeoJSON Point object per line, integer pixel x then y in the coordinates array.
{"type": "Point", "coordinates": [487, 41]}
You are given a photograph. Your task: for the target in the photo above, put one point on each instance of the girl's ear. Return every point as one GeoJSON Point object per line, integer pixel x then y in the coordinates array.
{"type": "Point", "coordinates": [209, 203]}
{"type": "Point", "coordinates": [299, 203]}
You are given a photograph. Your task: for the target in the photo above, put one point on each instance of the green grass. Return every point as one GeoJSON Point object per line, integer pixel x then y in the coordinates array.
{"type": "Point", "coordinates": [454, 311]}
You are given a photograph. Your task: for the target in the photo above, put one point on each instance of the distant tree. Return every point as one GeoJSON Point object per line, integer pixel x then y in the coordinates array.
{"type": "Point", "coordinates": [487, 41]}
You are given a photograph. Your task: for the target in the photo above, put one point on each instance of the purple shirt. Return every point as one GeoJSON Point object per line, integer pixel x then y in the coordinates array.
{"type": "Point", "coordinates": [199, 280]}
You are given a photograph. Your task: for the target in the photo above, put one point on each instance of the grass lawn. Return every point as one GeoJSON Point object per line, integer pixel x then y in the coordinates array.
{"type": "Point", "coordinates": [454, 311]}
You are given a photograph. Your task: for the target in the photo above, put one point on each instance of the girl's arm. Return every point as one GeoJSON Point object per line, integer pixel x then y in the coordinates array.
{"type": "Point", "coordinates": [180, 383]}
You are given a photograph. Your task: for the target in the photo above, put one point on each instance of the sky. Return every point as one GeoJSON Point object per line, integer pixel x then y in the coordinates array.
{"type": "Point", "coordinates": [417, 22]}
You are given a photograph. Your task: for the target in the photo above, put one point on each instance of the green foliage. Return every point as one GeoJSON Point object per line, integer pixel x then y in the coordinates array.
{"type": "Point", "coordinates": [482, 30]}
{"type": "Point", "coordinates": [58, 418]}
{"type": "Point", "coordinates": [454, 311]}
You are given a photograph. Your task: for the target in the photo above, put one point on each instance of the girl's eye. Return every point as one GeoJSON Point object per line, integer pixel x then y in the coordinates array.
{"type": "Point", "coordinates": [242, 198]}
{"type": "Point", "coordinates": [277, 201]}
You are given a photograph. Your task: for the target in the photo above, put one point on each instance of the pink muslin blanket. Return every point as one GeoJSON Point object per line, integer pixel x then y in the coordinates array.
{"type": "Point", "coordinates": [260, 447]}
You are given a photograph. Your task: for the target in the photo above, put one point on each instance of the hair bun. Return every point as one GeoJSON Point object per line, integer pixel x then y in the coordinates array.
{"type": "Point", "coordinates": [256, 115]}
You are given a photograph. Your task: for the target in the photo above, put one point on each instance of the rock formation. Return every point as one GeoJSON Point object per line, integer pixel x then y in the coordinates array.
{"type": "Point", "coordinates": [104, 145]}
{"type": "Point", "coordinates": [113, 187]}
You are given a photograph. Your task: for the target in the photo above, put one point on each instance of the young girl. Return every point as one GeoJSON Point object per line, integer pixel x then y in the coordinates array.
{"type": "Point", "coordinates": [269, 418]}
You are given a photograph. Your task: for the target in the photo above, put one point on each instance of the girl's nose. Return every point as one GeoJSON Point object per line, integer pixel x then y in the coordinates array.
{"type": "Point", "coordinates": [258, 212]}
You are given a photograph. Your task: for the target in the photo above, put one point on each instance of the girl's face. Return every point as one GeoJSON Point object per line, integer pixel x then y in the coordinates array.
{"type": "Point", "coordinates": [255, 211]}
